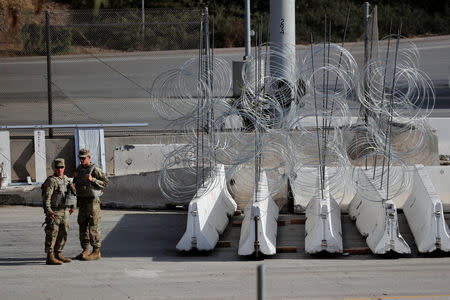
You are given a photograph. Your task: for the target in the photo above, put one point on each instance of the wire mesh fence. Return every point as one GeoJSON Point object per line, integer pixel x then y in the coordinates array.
{"type": "Point", "coordinates": [102, 64]}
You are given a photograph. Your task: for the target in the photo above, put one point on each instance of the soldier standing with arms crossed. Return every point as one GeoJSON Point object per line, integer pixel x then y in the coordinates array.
{"type": "Point", "coordinates": [57, 213]}
{"type": "Point", "coordinates": [90, 182]}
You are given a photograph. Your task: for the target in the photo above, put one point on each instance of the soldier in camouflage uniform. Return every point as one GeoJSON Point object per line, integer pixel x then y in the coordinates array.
{"type": "Point", "coordinates": [90, 181]}
{"type": "Point", "coordinates": [57, 213]}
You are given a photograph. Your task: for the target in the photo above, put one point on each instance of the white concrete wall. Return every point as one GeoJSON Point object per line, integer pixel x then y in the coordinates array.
{"type": "Point", "coordinates": [138, 158]}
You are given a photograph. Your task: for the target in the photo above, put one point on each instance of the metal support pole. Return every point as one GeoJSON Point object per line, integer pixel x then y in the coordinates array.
{"type": "Point", "coordinates": [49, 73]}
{"type": "Point", "coordinates": [366, 32]}
{"type": "Point", "coordinates": [256, 219]}
{"type": "Point", "coordinates": [143, 23]}
{"type": "Point", "coordinates": [248, 40]}
{"type": "Point", "coordinates": [260, 282]}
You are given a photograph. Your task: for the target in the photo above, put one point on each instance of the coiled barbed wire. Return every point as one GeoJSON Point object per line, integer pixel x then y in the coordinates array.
{"type": "Point", "coordinates": [293, 117]}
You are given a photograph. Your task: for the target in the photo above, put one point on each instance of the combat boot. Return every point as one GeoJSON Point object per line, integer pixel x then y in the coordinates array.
{"type": "Point", "coordinates": [51, 260]}
{"type": "Point", "coordinates": [95, 254]}
{"type": "Point", "coordinates": [84, 253]}
{"type": "Point", "coordinates": [62, 258]}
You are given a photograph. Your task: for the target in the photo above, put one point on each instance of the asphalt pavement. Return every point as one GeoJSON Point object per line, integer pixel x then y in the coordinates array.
{"type": "Point", "coordinates": [139, 261]}
{"type": "Point", "coordinates": [115, 88]}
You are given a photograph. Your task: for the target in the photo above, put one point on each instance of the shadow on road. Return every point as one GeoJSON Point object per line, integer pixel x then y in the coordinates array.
{"type": "Point", "coordinates": [22, 261]}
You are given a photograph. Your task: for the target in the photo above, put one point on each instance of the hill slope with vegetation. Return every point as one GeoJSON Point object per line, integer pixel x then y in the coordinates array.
{"type": "Point", "coordinates": [419, 17]}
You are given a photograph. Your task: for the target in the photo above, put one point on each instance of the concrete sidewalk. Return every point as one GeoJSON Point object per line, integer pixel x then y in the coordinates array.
{"type": "Point", "coordinates": [140, 262]}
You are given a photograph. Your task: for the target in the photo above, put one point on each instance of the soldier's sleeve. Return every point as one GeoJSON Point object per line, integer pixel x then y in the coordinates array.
{"type": "Point", "coordinates": [99, 178]}
{"type": "Point", "coordinates": [47, 191]}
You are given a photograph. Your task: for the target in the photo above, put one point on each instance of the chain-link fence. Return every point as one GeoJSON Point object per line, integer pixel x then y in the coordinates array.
{"type": "Point", "coordinates": [102, 64]}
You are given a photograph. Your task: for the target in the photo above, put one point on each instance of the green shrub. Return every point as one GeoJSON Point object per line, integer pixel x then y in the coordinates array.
{"type": "Point", "coordinates": [34, 39]}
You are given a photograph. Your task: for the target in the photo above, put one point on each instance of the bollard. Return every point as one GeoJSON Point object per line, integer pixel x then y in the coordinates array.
{"type": "Point", "coordinates": [260, 282]}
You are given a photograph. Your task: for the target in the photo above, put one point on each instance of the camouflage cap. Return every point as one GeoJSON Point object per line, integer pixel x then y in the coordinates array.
{"type": "Point", "coordinates": [59, 162]}
{"type": "Point", "coordinates": [83, 153]}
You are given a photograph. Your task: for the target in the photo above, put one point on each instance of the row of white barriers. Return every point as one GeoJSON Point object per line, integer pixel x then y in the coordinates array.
{"type": "Point", "coordinates": [376, 218]}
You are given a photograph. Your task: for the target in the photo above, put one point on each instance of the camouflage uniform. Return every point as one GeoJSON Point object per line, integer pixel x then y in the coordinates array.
{"type": "Point", "coordinates": [53, 200]}
{"type": "Point", "coordinates": [89, 213]}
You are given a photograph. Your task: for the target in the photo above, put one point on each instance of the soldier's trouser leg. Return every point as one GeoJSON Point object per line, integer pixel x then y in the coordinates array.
{"type": "Point", "coordinates": [94, 225]}
{"type": "Point", "coordinates": [89, 216]}
{"type": "Point", "coordinates": [83, 222]}
{"type": "Point", "coordinates": [52, 231]}
{"type": "Point", "coordinates": [63, 230]}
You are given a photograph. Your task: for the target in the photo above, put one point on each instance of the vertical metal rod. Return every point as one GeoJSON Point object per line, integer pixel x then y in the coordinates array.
{"type": "Point", "coordinates": [325, 130]}
{"type": "Point", "coordinates": [315, 110]}
{"type": "Point", "coordinates": [143, 22]}
{"type": "Point", "coordinates": [199, 92]}
{"type": "Point", "coordinates": [213, 132]}
{"type": "Point", "coordinates": [340, 57]}
{"type": "Point", "coordinates": [248, 40]}
{"type": "Point", "coordinates": [371, 33]}
{"type": "Point", "coordinates": [382, 101]}
{"type": "Point", "coordinates": [49, 72]}
{"type": "Point", "coordinates": [260, 28]}
{"type": "Point", "coordinates": [208, 83]}
{"type": "Point", "coordinates": [390, 111]}
{"type": "Point", "coordinates": [366, 31]}
{"type": "Point", "coordinates": [256, 100]}
{"type": "Point", "coordinates": [366, 57]}
{"type": "Point", "coordinates": [323, 96]}
{"type": "Point", "coordinates": [260, 282]}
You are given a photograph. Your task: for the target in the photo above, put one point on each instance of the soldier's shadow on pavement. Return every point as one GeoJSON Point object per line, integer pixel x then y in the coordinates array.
{"type": "Point", "coordinates": [22, 261]}
{"type": "Point", "coordinates": [156, 236]}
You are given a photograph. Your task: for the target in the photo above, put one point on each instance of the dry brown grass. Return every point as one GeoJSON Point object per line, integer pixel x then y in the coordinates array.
{"type": "Point", "coordinates": [13, 14]}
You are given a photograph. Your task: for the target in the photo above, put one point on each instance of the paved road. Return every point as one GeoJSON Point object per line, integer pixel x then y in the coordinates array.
{"type": "Point", "coordinates": [110, 89]}
{"type": "Point", "coordinates": [140, 262]}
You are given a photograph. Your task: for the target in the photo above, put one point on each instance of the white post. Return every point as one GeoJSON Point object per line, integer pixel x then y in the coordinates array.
{"type": "Point", "coordinates": [39, 155]}
{"type": "Point", "coordinates": [5, 159]}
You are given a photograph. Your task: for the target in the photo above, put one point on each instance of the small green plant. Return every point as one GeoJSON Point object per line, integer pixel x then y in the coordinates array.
{"type": "Point", "coordinates": [34, 39]}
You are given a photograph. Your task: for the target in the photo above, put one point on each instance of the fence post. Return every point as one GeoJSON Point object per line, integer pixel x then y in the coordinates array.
{"type": "Point", "coordinates": [143, 23]}
{"type": "Point", "coordinates": [49, 73]}
{"type": "Point", "coordinates": [248, 40]}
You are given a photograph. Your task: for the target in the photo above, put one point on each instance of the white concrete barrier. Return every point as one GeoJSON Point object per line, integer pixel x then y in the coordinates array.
{"type": "Point", "coordinates": [138, 158]}
{"type": "Point", "coordinates": [5, 159]}
{"type": "Point", "coordinates": [425, 214]}
{"type": "Point", "coordinates": [208, 214]}
{"type": "Point", "coordinates": [441, 125]}
{"type": "Point", "coordinates": [259, 227]}
{"type": "Point", "coordinates": [375, 218]}
{"type": "Point", "coordinates": [323, 223]}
